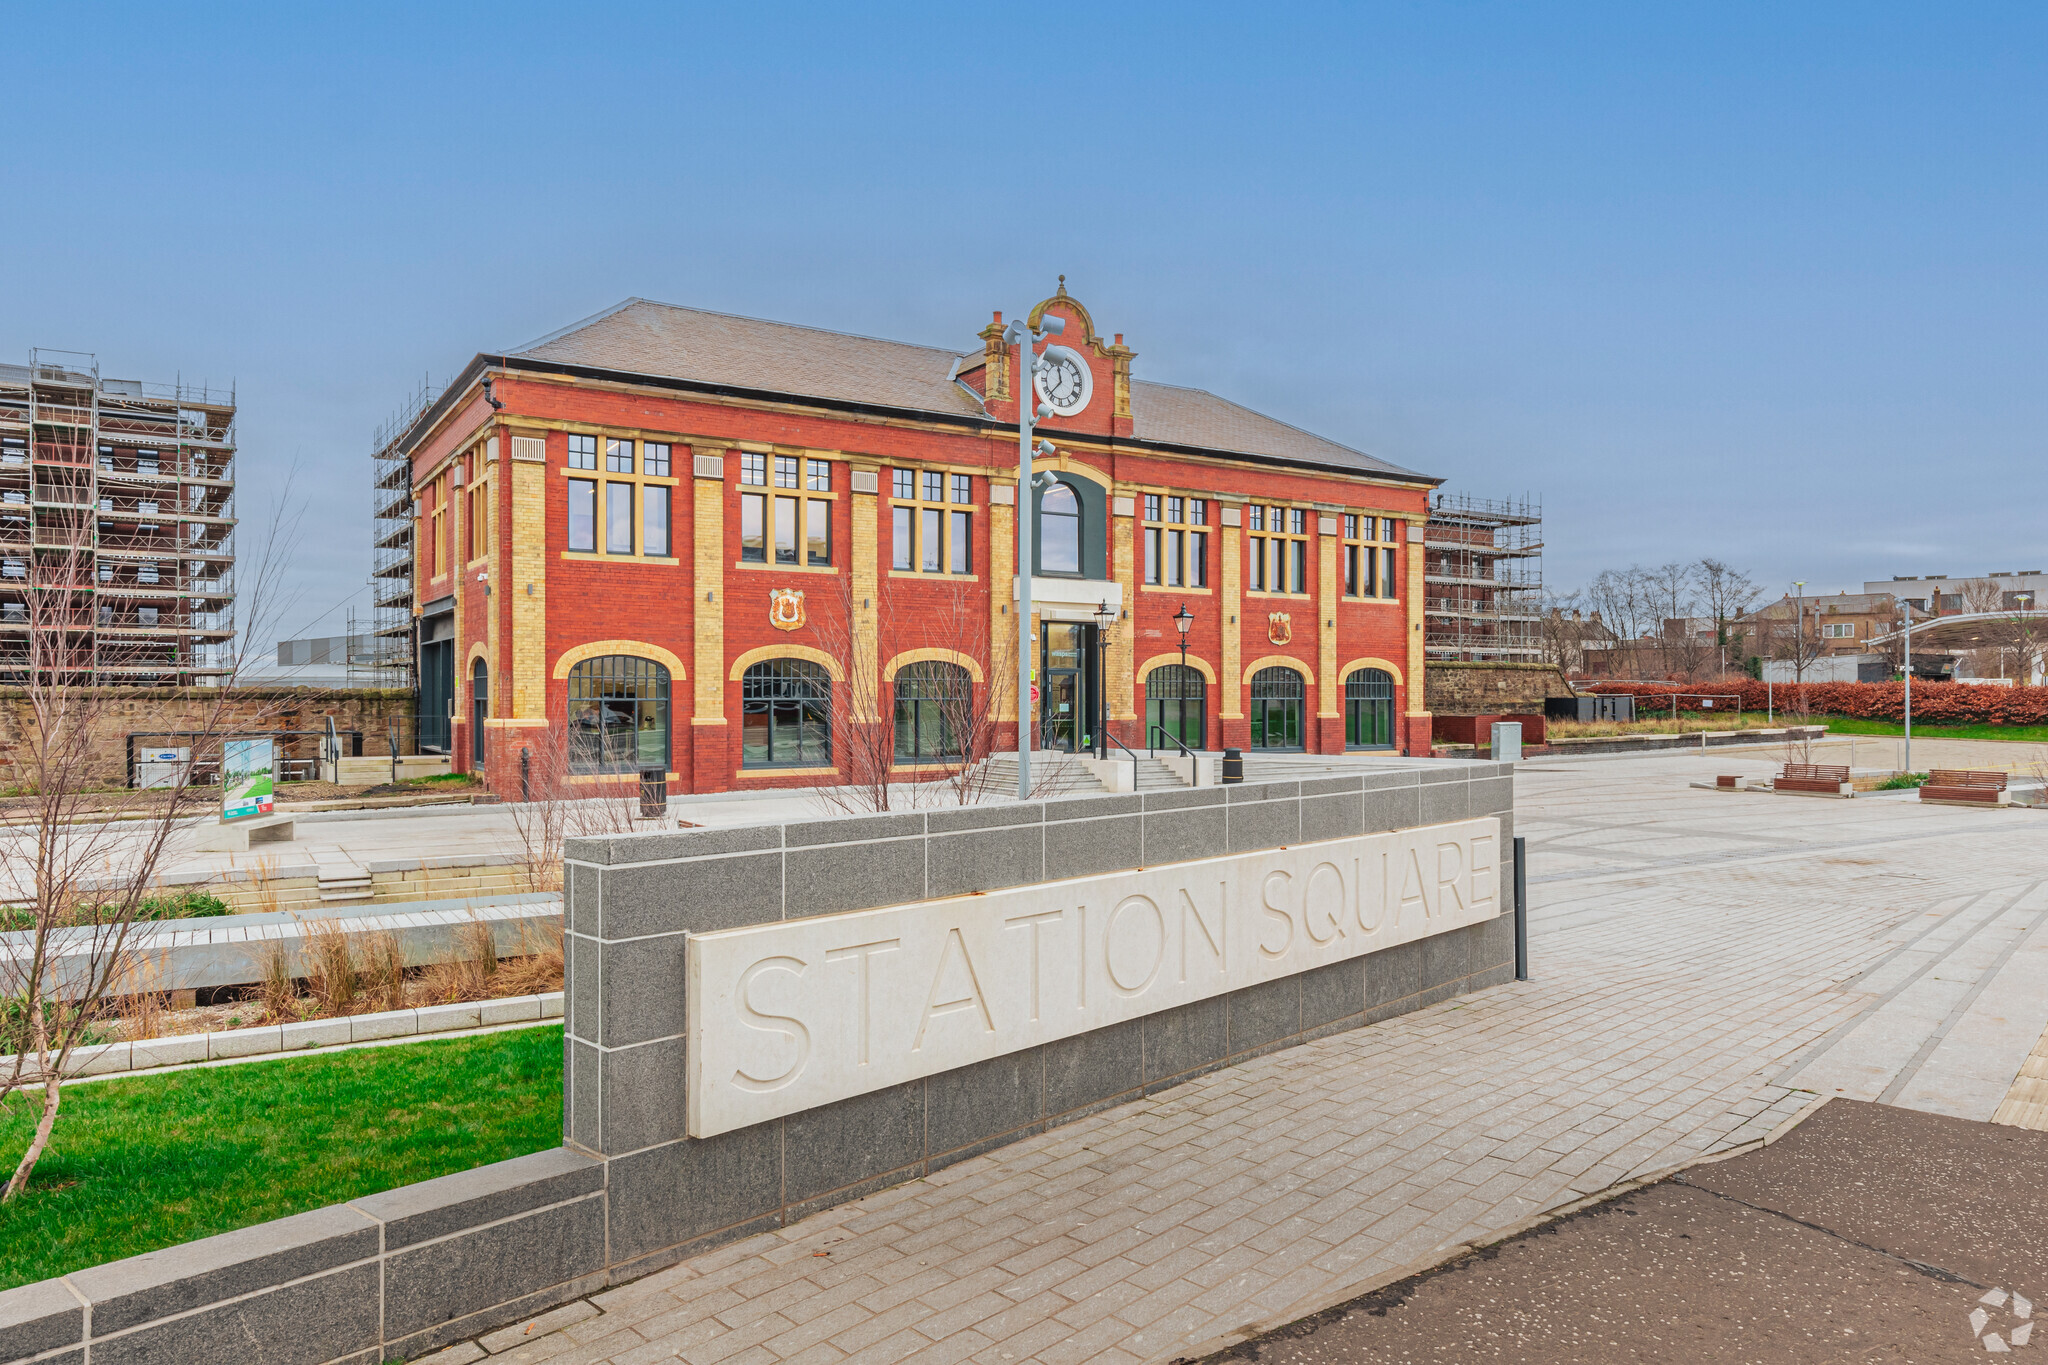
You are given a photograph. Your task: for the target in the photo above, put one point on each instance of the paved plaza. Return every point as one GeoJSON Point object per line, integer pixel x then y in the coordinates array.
{"type": "Point", "coordinates": [1707, 966]}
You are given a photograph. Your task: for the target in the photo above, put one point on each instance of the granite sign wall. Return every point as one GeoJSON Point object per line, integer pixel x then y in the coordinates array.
{"type": "Point", "coordinates": [786, 1017]}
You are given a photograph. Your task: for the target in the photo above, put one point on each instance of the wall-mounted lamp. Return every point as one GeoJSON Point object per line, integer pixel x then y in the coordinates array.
{"type": "Point", "coordinates": [491, 397]}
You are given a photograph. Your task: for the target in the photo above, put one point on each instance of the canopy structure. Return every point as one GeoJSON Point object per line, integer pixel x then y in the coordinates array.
{"type": "Point", "coordinates": [2023, 630]}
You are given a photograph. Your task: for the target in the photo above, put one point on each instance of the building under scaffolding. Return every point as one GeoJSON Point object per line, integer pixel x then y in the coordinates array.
{"type": "Point", "coordinates": [388, 661]}
{"type": "Point", "coordinates": [1483, 580]}
{"type": "Point", "coordinates": [117, 526]}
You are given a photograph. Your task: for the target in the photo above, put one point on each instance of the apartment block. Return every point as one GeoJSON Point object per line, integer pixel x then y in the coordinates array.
{"type": "Point", "coordinates": [117, 526]}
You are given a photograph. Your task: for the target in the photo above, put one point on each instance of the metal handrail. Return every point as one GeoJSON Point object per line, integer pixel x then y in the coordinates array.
{"type": "Point", "coordinates": [1176, 740]}
{"type": "Point", "coordinates": [1121, 745]}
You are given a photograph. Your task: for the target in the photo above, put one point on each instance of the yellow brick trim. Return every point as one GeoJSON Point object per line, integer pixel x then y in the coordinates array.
{"type": "Point", "coordinates": [1200, 665]}
{"type": "Point", "coordinates": [816, 656]}
{"type": "Point", "coordinates": [1122, 643]}
{"type": "Point", "coordinates": [1231, 703]}
{"type": "Point", "coordinates": [707, 527]}
{"type": "Point", "coordinates": [1387, 665]}
{"type": "Point", "coordinates": [1416, 706]}
{"type": "Point", "coordinates": [599, 648]}
{"type": "Point", "coordinates": [529, 566]}
{"type": "Point", "coordinates": [1308, 674]}
{"type": "Point", "coordinates": [931, 655]}
{"type": "Point", "coordinates": [1002, 624]}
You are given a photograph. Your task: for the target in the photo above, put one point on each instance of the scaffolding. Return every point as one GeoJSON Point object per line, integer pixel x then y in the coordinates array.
{"type": "Point", "coordinates": [1482, 574]}
{"type": "Point", "coordinates": [117, 526]}
{"type": "Point", "coordinates": [388, 659]}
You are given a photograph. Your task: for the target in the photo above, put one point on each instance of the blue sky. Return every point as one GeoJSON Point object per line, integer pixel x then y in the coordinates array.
{"type": "Point", "coordinates": [1759, 282]}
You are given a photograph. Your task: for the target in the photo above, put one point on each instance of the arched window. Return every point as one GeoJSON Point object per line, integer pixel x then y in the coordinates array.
{"type": "Point", "coordinates": [786, 715]}
{"type": "Point", "coordinates": [618, 715]}
{"type": "Point", "coordinates": [1174, 697]}
{"type": "Point", "coordinates": [931, 705]}
{"type": "Point", "coordinates": [1369, 709]}
{"type": "Point", "coordinates": [1277, 695]}
{"type": "Point", "coordinates": [479, 710]}
{"type": "Point", "coordinates": [1059, 531]}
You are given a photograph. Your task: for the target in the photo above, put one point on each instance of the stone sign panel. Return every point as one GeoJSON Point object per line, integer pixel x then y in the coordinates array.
{"type": "Point", "coordinates": [785, 1017]}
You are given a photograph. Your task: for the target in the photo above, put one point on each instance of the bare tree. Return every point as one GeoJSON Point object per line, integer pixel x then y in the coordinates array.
{"type": "Point", "coordinates": [556, 803]}
{"type": "Point", "coordinates": [1626, 601]}
{"type": "Point", "coordinates": [79, 871]}
{"type": "Point", "coordinates": [863, 742]}
{"type": "Point", "coordinates": [972, 714]}
{"type": "Point", "coordinates": [1563, 633]}
{"type": "Point", "coordinates": [1725, 594]}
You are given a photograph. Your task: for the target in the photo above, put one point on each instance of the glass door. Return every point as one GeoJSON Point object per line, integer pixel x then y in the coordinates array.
{"type": "Point", "coordinates": [1066, 717]}
{"type": "Point", "coordinates": [1174, 695]}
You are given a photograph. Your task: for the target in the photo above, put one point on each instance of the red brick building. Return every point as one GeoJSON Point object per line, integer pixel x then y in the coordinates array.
{"type": "Point", "coordinates": [669, 537]}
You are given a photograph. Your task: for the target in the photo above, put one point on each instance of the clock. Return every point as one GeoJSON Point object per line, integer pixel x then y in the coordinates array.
{"type": "Point", "coordinates": [1064, 381]}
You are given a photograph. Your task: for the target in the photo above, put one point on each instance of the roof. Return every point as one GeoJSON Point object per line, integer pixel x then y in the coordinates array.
{"type": "Point", "coordinates": [642, 337]}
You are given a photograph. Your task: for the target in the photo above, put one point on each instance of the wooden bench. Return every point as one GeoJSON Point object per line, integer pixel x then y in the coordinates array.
{"type": "Point", "coordinates": [1819, 779]}
{"type": "Point", "coordinates": [1966, 785]}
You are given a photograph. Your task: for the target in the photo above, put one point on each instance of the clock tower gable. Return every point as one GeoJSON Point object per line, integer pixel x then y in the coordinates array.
{"type": "Point", "coordinates": [1089, 385]}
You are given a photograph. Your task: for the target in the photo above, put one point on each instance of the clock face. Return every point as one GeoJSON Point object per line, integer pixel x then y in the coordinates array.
{"type": "Point", "coordinates": [1064, 381]}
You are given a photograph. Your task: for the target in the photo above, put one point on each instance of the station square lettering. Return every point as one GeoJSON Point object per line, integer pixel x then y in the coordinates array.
{"type": "Point", "coordinates": [785, 1017]}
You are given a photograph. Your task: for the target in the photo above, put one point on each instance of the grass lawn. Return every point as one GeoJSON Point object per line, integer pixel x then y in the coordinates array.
{"type": "Point", "coordinates": [1847, 725]}
{"type": "Point", "coordinates": [152, 1161]}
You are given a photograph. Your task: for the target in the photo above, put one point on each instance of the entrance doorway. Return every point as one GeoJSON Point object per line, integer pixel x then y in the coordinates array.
{"type": "Point", "coordinates": [1174, 697]}
{"type": "Point", "coordinates": [479, 712]}
{"type": "Point", "coordinates": [1069, 688]}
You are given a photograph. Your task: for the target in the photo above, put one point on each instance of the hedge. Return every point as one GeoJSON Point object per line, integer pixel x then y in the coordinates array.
{"type": "Point", "coordinates": [1936, 703]}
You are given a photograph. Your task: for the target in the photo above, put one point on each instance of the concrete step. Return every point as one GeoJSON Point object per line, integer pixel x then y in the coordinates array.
{"type": "Point", "coordinates": [351, 894]}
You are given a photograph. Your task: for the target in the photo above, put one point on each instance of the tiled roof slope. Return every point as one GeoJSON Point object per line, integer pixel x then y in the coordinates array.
{"type": "Point", "coordinates": [643, 337]}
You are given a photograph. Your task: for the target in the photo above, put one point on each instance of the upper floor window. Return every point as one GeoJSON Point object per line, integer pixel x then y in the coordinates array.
{"type": "Point", "coordinates": [1059, 530]}
{"type": "Point", "coordinates": [801, 527]}
{"type": "Point", "coordinates": [638, 498]}
{"type": "Point", "coordinates": [582, 452]}
{"type": "Point", "coordinates": [927, 534]}
{"type": "Point", "coordinates": [1278, 556]}
{"type": "Point", "coordinates": [1368, 566]}
{"type": "Point", "coordinates": [753, 469]}
{"type": "Point", "coordinates": [1838, 630]}
{"type": "Point", "coordinates": [1176, 552]}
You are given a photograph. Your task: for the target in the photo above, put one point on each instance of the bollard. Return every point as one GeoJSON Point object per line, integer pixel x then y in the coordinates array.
{"type": "Point", "coordinates": [1233, 765]}
{"type": "Point", "coordinates": [1521, 909]}
{"type": "Point", "coordinates": [525, 775]}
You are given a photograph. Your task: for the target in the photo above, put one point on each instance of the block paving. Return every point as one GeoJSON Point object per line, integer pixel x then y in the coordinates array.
{"type": "Point", "coordinates": [1688, 949]}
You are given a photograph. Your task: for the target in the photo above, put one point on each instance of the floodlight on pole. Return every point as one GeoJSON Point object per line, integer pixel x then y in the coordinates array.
{"type": "Point", "coordinates": [1022, 335]}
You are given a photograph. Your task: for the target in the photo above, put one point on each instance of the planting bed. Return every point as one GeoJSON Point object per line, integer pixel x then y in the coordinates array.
{"type": "Point", "coordinates": [143, 1163]}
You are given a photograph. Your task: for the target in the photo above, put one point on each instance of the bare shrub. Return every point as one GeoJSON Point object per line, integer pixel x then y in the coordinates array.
{"type": "Point", "coordinates": [383, 980]}
{"type": "Point", "coordinates": [467, 975]}
{"type": "Point", "coordinates": [331, 968]}
{"type": "Point", "coordinates": [553, 809]}
{"type": "Point", "coordinates": [538, 965]}
{"type": "Point", "coordinates": [277, 988]}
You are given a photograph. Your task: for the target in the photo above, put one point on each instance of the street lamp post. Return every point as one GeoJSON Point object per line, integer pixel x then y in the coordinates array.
{"type": "Point", "coordinates": [1908, 759]}
{"type": "Point", "coordinates": [1182, 619]}
{"type": "Point", "coordinates": [1105, 617]}
{"type": "Point", "coordinates": [1024, 337]}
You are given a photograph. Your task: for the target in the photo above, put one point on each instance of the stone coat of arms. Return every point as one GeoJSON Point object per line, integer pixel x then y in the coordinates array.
{"type": "Point", "coordinates": [786, 608]}
{"type": "Point", "coordinates": [1280, 628]}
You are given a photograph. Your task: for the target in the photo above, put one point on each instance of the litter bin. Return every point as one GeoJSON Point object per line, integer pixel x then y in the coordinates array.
{"type": "Point", "coordinates": [1233, 765]}
{"type": "Point", "coordinates": [653, 793]}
